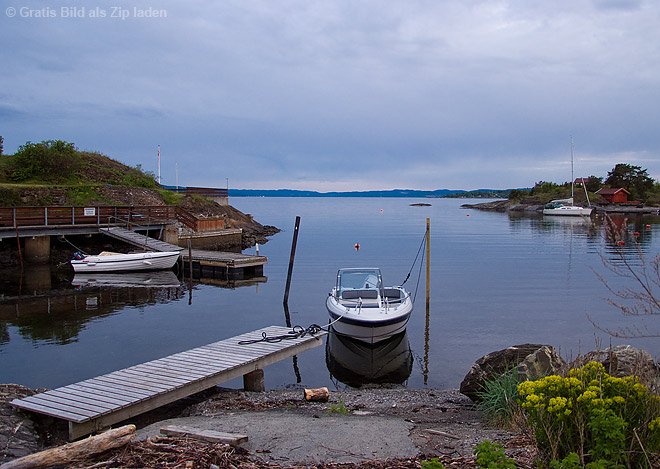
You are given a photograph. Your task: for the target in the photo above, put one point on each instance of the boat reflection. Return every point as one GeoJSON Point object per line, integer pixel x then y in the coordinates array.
{"type": "Point", "coordinates": [357, 363]}
{"type": "Point", "coordinates": [158, 278]}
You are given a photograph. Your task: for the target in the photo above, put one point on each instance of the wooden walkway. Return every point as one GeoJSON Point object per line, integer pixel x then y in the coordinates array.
{"type": "Point", "coordinates": [203, 258]}
{"type": "Point", "coordinates": [97, 403]}
{"type": "Point", "coordinates": [139, 240]}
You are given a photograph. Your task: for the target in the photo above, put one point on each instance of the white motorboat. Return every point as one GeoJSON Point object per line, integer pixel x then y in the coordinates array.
{"type": "Point", "coordinates": [362, 308]}
{"type": "Point", "coordinates": [117, 262]}
{"type": "Point", "coordinates": [566, 207]}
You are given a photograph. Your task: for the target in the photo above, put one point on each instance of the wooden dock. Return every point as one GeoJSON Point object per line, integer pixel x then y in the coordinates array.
{"type": "Point", "coordinates": [205, 263]}
{"type": "Point", "coordinates": [97, 403]}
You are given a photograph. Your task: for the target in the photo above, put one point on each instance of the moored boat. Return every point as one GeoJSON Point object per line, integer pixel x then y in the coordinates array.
{"type": "Point", "coordinates": [362, 308]}
{"type": "Point", "coordinates": [116, 262]}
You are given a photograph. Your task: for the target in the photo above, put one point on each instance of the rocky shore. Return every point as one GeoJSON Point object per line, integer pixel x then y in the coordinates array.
{"type": "Point", "coordinates": [505, 205]}
{"type": "Point", "coordinates": [370, 427]}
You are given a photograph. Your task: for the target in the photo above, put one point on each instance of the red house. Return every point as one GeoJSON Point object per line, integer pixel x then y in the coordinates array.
{"type": "Point", "coordinates": [614, 195]}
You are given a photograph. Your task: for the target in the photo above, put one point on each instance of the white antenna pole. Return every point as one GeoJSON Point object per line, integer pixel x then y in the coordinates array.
{"type": "Point", "coordinates": [158, 164]}
{"type": "Point", "coordinates": [176, 172]}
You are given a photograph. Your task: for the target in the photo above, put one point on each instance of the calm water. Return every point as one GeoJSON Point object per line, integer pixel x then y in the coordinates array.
{"type": "Point", "coordinates": [496, 280]}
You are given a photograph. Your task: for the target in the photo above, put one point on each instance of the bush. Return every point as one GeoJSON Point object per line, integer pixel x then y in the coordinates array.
{"type": "Point", "coordinates": [491, 456]}
{"type": "Point", "coordinates": [45, 161]}
{"type": "Point", "coordinates": [594, 415]}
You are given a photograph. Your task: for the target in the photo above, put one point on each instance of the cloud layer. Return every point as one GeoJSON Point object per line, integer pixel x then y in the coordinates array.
{"type": "Point", "coordinates": [340, 95]}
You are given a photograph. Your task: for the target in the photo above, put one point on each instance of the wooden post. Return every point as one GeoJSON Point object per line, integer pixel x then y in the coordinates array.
{"type": "Point", "coordinates": [291, 259]}
{"type": "Point", "coordinates": [254, 381]}
{"type": "Point", "coordinates": [190, 260]}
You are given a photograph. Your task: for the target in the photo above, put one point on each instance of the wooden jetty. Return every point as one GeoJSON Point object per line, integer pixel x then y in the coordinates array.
{"type": "Point", "coordinates": [97, 403]}
{"type": "Point", "coordinates": [205, 263]}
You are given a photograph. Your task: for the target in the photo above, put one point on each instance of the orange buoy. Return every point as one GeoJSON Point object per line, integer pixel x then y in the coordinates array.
{"type": "Point", "coordinates": [357, 247]}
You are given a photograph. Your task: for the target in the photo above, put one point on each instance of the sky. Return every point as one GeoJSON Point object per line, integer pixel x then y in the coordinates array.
{"type": "Point", "coordinates": [338, 95]}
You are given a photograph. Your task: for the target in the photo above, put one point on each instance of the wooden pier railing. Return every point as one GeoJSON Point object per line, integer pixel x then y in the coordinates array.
{"type": "Point", "coordinates": [15, 217]}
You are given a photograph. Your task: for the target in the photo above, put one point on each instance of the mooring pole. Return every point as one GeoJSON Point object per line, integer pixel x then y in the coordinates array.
{"type": "Point", "coordinates": [428, 295]}
{"type": "Point", "coordinates": [293, 255]}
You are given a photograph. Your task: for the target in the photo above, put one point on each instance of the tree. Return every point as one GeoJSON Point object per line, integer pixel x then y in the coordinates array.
{"type": "Point", "coordinates": [593, 183]}
{"type": "Point", "coordinates": [632, 178]}
{"type": "Point", "coordinates": [641, 298]}
{"type": "Point", "coordinates": [1, 144]}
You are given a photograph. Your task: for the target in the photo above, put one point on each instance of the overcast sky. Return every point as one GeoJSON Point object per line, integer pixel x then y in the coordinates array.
{"type": "Point", "coordinates": [339, 94]}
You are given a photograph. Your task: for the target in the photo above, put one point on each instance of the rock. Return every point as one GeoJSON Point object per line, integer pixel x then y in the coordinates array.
{"type": "Point", "coordinates": [624, 360]}
{"type": "Point", "coordinates": [531, 360]}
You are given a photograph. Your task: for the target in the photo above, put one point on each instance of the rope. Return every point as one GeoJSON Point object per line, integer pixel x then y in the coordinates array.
{"type": "Point", "coordinates": [75, 247]}
{"type": "Point", "coordinates": [295, 333]}
{"type": "Point", "coordinates": [416, 256]}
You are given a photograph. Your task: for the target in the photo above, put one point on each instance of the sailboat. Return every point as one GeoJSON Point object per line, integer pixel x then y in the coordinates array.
{"type": "Point", "coordinates": [565, 207]}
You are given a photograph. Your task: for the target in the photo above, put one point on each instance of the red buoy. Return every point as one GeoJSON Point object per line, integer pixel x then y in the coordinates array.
{"type": "Point", "coordinates": [622, 243]}
{"type": "Point", "coordinates": [648, 227]}
{"type": "Point", "coordinates": [636, 233]}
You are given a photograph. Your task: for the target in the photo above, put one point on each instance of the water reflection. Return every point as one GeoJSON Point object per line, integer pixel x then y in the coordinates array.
{"type": "Point", "coordinates": [44, 314]}
{"type": "Point", "coordinates": [161, 278]}
{"type": "Point", "coordinates": [357, 363]}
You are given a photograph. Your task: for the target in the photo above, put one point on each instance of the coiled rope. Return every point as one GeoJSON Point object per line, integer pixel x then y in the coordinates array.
{"type": "Point", "coordinates": [295, 333]}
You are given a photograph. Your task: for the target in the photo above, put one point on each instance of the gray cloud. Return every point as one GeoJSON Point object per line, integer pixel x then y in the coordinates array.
{"type": "Point", "coordinates": [421, 94]}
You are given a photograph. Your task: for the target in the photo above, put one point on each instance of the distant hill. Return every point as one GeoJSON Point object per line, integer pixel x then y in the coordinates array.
{"type": "Point", "coordinates": [410, 193]}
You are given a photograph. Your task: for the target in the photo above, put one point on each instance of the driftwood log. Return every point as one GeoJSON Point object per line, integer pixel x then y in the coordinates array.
{"type": "Point", "coordinates": [74, 451]}
{"type": "Point", "coordinates": [318, 394]}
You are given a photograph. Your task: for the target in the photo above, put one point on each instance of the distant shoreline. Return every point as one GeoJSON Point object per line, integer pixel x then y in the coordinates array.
{"type": "Point", "coordinates": [394, 193]}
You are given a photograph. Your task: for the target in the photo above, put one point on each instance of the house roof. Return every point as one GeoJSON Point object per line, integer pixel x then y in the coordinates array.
{"type": "Point", "coordinates": [611, 191]}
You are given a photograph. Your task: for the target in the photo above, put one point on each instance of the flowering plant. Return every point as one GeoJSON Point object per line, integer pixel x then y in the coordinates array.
{"type": "Point", "coordinates": [595, 415]}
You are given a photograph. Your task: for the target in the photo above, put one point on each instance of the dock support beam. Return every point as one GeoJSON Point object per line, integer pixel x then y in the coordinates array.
{"type": "Point", "coordinates": [254, 381]}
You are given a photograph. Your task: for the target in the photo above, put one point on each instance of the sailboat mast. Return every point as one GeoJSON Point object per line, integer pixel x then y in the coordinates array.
{"type": "Point", "coordinates": [572, 177]}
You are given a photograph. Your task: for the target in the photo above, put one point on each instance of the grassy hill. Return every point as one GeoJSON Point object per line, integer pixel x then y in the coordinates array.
{"type": "Point", "coordinates": [54, 172]}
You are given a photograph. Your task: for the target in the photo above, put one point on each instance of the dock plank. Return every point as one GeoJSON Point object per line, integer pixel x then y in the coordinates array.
{"type": "Point", "coordinates": [95, 403]}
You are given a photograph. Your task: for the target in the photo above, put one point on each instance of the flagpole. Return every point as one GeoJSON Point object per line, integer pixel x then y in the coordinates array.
{"type": "Point", "coordinates": [158, 164]}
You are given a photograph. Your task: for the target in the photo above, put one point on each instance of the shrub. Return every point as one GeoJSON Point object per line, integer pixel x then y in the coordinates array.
{"type": "Point", "coordinates": [594, 415]}
{"type": "Point", "coordinates": [46, 161]}
{"type": "Point", "coordinates": [491, 456]}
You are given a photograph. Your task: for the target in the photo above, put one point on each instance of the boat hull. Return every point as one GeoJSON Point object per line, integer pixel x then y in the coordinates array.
{"type": "Point", "coordinates": [126, 262]}
{"type": "Point", "coordinates": [370, 325]}
{"type": "Point", "coordinates": [568, 211]}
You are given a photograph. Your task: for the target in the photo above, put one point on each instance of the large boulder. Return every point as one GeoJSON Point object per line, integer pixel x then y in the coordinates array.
{"type": "Point", "coordinates": [531, 361]}
{"type": "Point", "coordinates": [624, 360]}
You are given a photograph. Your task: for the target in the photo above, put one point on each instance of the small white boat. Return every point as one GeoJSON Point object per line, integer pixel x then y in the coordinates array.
{"type": "Point", "coordinates": [117, 262]}
{"type": "Point", "coordinates": [362, 308]}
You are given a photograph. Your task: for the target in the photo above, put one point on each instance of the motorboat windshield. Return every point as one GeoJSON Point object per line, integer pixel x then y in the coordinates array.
{"type": "Point", "coordinates": [350, 280]}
